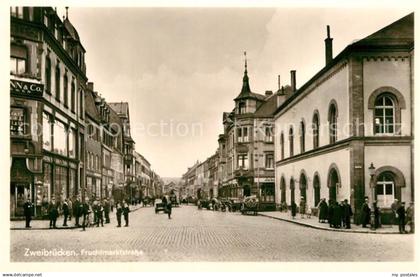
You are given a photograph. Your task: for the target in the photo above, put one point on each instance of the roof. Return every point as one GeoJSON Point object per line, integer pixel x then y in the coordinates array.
{"type": "Point", "coordinates": [397, 36]}
{"type": "Point", "coordinates": [90, 107]}
{"type": "Point", "coordinates": [268, 108]}
{"type": "Point", "coordinates": [70, 28]}
{"type": "Point", "coordinates": [114, 118]}
{"type": "Point", "coordinates": [246, 92]}
{"type": "Point", "coordinates": [121, 108]}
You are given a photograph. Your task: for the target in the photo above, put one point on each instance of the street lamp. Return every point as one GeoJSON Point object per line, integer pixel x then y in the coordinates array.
{"type": "Point", "coordinates": [372, 187]}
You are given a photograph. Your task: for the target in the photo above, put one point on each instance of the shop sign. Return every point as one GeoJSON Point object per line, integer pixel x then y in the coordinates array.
{"type": "Point", "coordinates": [26, 88]}
{"type": "Point", "coordinates": [265, 180]}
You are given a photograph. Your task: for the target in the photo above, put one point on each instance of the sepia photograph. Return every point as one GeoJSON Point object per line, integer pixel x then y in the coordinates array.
{"type": "Point", "coordinates": [211, 134]}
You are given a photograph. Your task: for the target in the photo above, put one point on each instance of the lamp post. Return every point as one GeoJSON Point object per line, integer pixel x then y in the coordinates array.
{"type": "Point", "coordinates": [372, 188]}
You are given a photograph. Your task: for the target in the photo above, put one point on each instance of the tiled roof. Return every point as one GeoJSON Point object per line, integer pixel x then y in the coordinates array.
{"type": "Point", "coordinates": [120, 107]}
{"type": "Point", "coordinates": [90, 107]}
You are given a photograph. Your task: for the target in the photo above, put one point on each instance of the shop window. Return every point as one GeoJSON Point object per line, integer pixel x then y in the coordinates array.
{"type": "Point", "coordinates": [267, 193]}
{"type": "Point", "coordinates": [60, 138]}
{"type": "Point", "coordinates": [72, 143]}
{"type": "Point", "coordinates": [17, 121]}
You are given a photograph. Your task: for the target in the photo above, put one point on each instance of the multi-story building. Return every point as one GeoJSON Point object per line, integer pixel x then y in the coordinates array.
{"type": "Point", "coordinates": [122, 110]}
{"type": "Point", "coordinates": [143, 175]}
{"type": "Point", "coordinates": [47, 84]}
{"type": "Point", "coordinates": [347, 133]}
{"type": "Point", "coordinates": [247, 146]}
{"type": "Point", "coordinates": [93, 120]}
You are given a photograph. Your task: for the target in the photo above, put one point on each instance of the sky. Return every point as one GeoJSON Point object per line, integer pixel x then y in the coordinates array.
{"type": "Point", "coordinates": [180, 68]}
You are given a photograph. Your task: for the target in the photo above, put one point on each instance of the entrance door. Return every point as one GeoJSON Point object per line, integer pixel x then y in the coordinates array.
{"type": "Point", "coordinates": [19, 193]}
{"type": "Point", "coordinates": [247, 190]}
{"type": "Point", "coordinates": [333, 181]}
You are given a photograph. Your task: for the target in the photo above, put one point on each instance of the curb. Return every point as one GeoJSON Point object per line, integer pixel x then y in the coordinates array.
{"type": "Point", "coordinates": [58, 228]}
{"type": "Point", "coordinates": [331, 229]}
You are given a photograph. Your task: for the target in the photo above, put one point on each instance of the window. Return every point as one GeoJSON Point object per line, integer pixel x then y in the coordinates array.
{"type": "Point", "coordinates": [315, 126]}
{"type": "Point", "coordinates": [66, 90]}
{"type": "Point", "coordinates": [302, 137]}
{"type": "Point", "coordinates": [81, 103]}
{"type": "Point", "coordinates": [17, 121]}
{"type": "Point", "coordinates": [72, 143]}
{"type": "Point", "coordinates": [332, 118]}
{"type": "Point", "coordinates": [48, 75]}
{"type": "Point", "coordinates": [57, 83]}
{"type": "Point", "coordinates": [60, 138]}
{"type": "Point", "coordinates": [46, 132]}
{"type": "Point", "coordinates": [242, 107]}
{"type": "Point", "coordinates": [18, 59]}
{"type": "Point", "coordinates": [243, 161]}
{"type": "Point", "coordinates": [267, 192]}
{"type": "Point", "coordinates": [269, 161]}
{"type": "Point", "coordinates": [317, 190]}
{"type": "Point", "coordinates": [282, 146]}
{"type": "Point", "coordinates": [384, 115]}
{"type": "Point", "coordinates": [385, 190]}
{"type": "Point", "coordinates": [16, 12]}
{"type": "Point", "coordinates": [242, 134]}
{"type": "Point", "coordinates": [73, 97]}
{"type": "Point", "coordinates": [269, 130]}
{"type": "Point", "coordinates": [291, 141]}
{"type": "Point", "coordinates": [283, 190]}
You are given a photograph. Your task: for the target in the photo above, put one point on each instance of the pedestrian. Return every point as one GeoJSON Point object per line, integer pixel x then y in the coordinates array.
{"type": "Point", "coordinates": [394, 207]}
{"type": "Point", "coordinates": [27, 210]}
{"type": "Point", "coordinates": [66, 211]}
{"type": "Point", "coordinates": [95, 211]}
{"type": "Point", "coordinates": [85, 213]}
{"type": "Point", "coordinates": [107, 207]}
{"type": "Point", "coordinates": [347, 214]}
{"type": "Point", "coordinates": [401, 218]}
{"type": "Point", "coordinates": [302, 207]}
{"type": "Point", "coordinates": [331, 213]}
{"type": "Point", "coordinates": [126, 211]}
{"type": "Point", "coordinates": [112, 204]}
{"type": "Point", "coordinates": [169, 208]}
{"type": "Point", "coordinates": [77, 210]}
{"type": "Point", "coordinates": [323, 211]}
{"type": "Point", "coordinates": [308, 211]}
{"type": "Point", "coordinates": [99, 214]}
{"type": "Point", "coordinates": [337, 217]}
{"type": "Point", "coordinates": [365, 215]}
{"type": "Point", "coordinates": [410, 217]}
{"type": "Point", "coordinates": [53, 214]}
{"type": "Point", "coordinates": [119, 213]}
{"type": "Point", "coordinates": [293, 209]}
{"type": "Point", "coordinates": [70, 203]}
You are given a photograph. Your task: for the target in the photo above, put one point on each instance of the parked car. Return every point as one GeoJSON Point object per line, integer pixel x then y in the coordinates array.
{"type": "Point", "coordinates": [159, 206]}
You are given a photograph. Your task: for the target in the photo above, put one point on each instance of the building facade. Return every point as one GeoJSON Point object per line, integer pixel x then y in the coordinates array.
{"type": "Point", "coordinates": [354, 117]}
{"type": "Point", "coordinates": [47, 84]}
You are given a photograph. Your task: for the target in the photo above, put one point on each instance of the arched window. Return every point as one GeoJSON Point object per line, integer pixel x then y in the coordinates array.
{"type": "Point", "coordinates": [384, 114]}
{"type": "Point", "coordinates": [317, 190]}
{"type": "Point", "coordinates": [48, 74]}
{"type": "Point", "coordinates": [291, 141]}
{"type": "Point", "coordinates": [315, 128]}
{"type": "Point", "coordinates": [385, 189]}
{"type": "Point", "coordinates": [302, 136]}
{"type": "Point", "coordinates": [332, 120]}
{"type": "Point", "coordinates": [282, 145]}
{"type": "Point", "coordinates": [57, 83]}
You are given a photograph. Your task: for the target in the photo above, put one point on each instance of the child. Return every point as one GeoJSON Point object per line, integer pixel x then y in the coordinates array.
{"type": "Point", "coordinates": [309, 212]}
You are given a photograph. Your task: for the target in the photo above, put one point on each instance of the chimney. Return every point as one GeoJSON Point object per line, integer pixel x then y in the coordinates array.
{"type": "Point", "coordinates": [293, 80]}
{"type": "Point", "coordinates": [328, 47]}
{"type": "Point", "coordinates": [278, 81]}
{"type": "Point", "coordinates": [90, 86]}
{"type": "Point", "coordinates": [268, 92]}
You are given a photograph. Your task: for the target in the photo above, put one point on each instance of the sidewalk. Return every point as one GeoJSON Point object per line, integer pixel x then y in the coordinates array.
{"type": "Point", "coordinates": [38, 224]}
{"type": "Point", "coordinates": [313, 223]}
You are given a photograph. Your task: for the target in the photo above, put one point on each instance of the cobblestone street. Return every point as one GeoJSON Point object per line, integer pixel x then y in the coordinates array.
{"type": "Point", "coordinates": [201, 235]}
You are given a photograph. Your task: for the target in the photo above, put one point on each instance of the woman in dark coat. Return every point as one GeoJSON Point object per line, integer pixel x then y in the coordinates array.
{"type": "Point", "coordinates": [323, 211]}
{"type": "Point", "coordinates": [119, 213]}
{"type": "Point", "coordinates": [365, 213]}
{"type": "Point", "coordinates": [331, 213]}
{"type": "Point", "coordinates": [125, 210]}
{"type": "Point", "coordinates": [337, 212]}
{"type": "Point", "coordinates": [294, 209]}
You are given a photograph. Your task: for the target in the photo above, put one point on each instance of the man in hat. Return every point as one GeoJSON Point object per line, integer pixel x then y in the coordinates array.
{"type": "Point", "coordinates": [410, 217]}
{"type": "Point", "coordinates": [401, 218]}
{"type": "Point", "coordinates": [365, 213]}
{"type": "Point", "coordinates": [27, 210]}
{"type": "Point", "coordinates": [347, 214]}
{"type": "Point", "coordinates": [394, 207]}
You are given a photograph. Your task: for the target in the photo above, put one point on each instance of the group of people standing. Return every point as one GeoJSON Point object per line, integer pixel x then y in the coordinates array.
{"type": "Point", "coordinates": [339, 214]}
{"type": "Point", "coordinates": [86, 214]}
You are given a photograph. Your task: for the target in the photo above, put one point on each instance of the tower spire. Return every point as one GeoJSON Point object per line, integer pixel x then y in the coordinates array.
{"type": "Point", "coordinates": [245, 84]}
{"type": "Point", "coordinates": [67, 12]}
